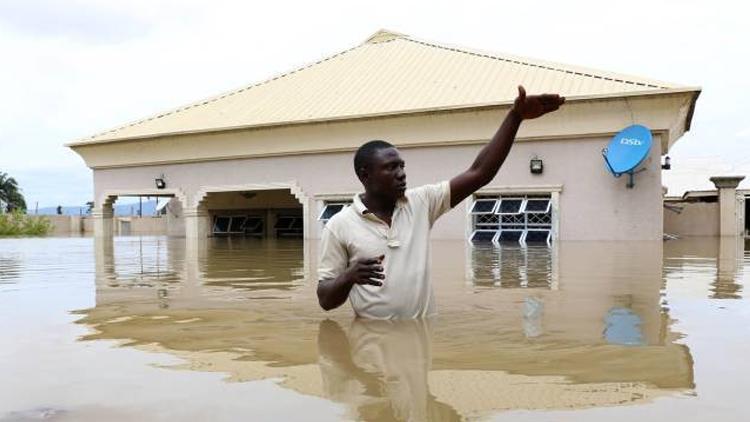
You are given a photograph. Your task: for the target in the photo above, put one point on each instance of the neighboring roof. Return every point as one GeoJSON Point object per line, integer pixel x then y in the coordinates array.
{"type": "Point", "coordinates": [697, 194]}
{"type": "Point", "coordinates": [387, 74]}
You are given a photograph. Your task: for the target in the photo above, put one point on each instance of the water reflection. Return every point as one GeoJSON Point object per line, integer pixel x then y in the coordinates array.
{"type": "Point", "coordinates": [586, 325]}
{"type": "Point", "coordinates": [10, 268]}
{"type": "Point", "coordinates": [380, 370]}
{"type": "Point", "coordinates": [512, 266]}
{"type": "Point", "coordinates": [717, 261]}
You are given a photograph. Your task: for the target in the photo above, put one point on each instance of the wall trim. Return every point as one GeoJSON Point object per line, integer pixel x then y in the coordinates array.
{"type": "Point", "coordinates": [492, 190]}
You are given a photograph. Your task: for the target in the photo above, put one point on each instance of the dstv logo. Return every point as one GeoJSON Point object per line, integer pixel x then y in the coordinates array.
{"type": "Point", "coordinates": [631, 141]}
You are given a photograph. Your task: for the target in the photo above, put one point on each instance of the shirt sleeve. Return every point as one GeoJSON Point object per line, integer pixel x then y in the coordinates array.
{"type": "Point", "coordinates": [438, 199]}
{"type": "Point", "coordinates": [333, 258]}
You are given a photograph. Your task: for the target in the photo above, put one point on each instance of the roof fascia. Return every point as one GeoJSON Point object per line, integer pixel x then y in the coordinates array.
{"type": "Point", "coordinates": [501, 104]}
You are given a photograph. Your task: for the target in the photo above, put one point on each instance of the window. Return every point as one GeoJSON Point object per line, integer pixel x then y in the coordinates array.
{"type": "Point", "coordinates": [510, 235]}
{"type": "Point", "coordinates": [288, 226]}
{"type": "Point", "coordinates": [332, 208]}
{"type": "Point", "coordinates": [483, 236]}
{"type": "Point", "coordinates": [221, 224]}
{"type": "Point", "coordinates": [537, 205]}
{"type": "Point", "coordinates": [254, 226]}
{"type": "Point", "coordinates": [534, 236]}
{"type": "Point", "coordinates": [510, 206]}
{"type": "Point", "coordinates": [238, 224]}
{"type": "Point", "coordinates": [519, 219]}
{"type": "Point", "coordinates": [484, 206]}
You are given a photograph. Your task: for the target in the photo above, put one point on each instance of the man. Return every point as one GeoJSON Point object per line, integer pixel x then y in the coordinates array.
{"type": "Point", "coordinates": [376, 252]}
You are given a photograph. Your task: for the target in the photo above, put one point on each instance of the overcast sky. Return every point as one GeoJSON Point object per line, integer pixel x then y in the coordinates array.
{"type": "Point", "coordinates": [73, 68]}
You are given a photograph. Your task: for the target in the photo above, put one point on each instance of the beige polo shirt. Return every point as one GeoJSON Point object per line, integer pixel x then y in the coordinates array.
{"type": "Point", "coordinates": [355, 233]}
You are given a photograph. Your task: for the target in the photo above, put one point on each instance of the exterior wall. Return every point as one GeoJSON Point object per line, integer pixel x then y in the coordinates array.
{"type": "Point", "coordinates": [66, 225]}
{"type": "Point", "coordinates": [140, 225]}
{"type": "Point", "coordinates": [88, 225]}
{"type": "Point", "coordinates": [593, 205]}
{"type": "Point", "coordinates": [696, 219]}
{"type": "Point", "coordinates": [175, 219]}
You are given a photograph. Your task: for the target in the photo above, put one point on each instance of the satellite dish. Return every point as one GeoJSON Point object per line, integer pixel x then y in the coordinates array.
{"type": "Point", "coordinates": [627, 150]}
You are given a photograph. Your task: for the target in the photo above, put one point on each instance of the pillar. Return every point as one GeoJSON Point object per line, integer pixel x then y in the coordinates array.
{"type": "Point", "coordinates": [268, 227]}
{"type": "Point", "coordinates": [104, 260]}
{"type": "Point", "coordinates": [730, 255]}
{"type": "Point", "coordinates": [197, 223]}
{"type": "Point", "coordinates": [729, 224]}
{"type": "Point", "coordinates": [103, 221]}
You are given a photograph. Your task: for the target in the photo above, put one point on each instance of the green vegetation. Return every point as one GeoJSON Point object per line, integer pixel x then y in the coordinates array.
{"type": "Point", "coordinates": [13, 220]}
{"type": "Point", "coordinates": [17, 223]}
{"type": "Point", "coordinates": [11, 198]}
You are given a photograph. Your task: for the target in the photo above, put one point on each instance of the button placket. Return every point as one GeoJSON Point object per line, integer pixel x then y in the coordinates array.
{"type": "Point", "coordinates": [391, 235]}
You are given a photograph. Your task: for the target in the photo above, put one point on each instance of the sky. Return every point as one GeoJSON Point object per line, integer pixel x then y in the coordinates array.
{"type": "Point", "coordinates": [72, 68]}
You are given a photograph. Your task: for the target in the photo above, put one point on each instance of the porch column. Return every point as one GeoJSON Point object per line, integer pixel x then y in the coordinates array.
{"type": "Point", "coordinates": [197, 223]}
{"type": "Point", "coordinates": [728, 213]}
{"type": "Point", "coordinates": [104, 259]}
{"type": "Point", "coordinates": [103, 225]}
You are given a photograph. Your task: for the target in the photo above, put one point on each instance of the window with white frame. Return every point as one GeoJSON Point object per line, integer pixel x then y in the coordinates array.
{"type": "Point", "coordinates": [514, 218]}
{"type": "Point", "coordinates": [331, 208]}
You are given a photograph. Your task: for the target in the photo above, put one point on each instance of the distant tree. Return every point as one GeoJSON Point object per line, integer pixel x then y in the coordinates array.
{"type": "Point", "coordinates": [59, 210]}
{"type": "Point", "coordinates": [89, 207]}
{"type": "Point", "coordinates": [10, 195]}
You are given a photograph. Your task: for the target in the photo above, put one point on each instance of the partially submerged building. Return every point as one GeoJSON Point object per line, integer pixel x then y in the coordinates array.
{"type": "Point", "coordinates": [275, 158]}
{"type": "Point", "coordinates": [719, 212]}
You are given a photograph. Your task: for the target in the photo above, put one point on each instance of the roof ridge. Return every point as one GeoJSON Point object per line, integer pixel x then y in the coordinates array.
{"type": "Point", "coordinates": [223, 95]}
{"type": "Point", "coordinates": [384, 35]}
{"type": "Point", "coordinates": [526, 61]}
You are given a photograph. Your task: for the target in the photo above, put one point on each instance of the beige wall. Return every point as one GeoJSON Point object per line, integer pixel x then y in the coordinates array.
{"type": "Point", "coordinates": [141, 225]}
{"type": "Point", "coordinates": [316, 159]}
{"type": "Point", "coordinates": [65, 225]}
{"type": "Point", "coordinates": [696, 219]}
{"type": "Point", "coordinates": [593, 204]}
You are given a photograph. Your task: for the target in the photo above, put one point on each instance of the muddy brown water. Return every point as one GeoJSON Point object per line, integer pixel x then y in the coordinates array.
{"type": "Point", "coordinates": [156, 328]}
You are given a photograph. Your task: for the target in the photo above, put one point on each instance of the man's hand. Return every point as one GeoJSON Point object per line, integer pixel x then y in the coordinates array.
{"type": "Point", "coordinates": [535, 106]}
{"type": "Point", "coordinates": [332, 293]}
{"type": "Point", "coordinates": [367, 271]}
{"type": "Point", "coordinates": [492, 156]}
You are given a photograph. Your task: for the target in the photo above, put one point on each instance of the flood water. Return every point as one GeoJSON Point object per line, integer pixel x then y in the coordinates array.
{"type": "Point", "coordinates": [154, 328]}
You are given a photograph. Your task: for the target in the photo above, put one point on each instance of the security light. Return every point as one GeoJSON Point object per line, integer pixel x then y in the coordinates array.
{"type": "Point", "coordinates": [536, 165]}
{"type": "Point", "coordinates": [667, 164]}
{"type": "Point", "coordinates": [160, 183]}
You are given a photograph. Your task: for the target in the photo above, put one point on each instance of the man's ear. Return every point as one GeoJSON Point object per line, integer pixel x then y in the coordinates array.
{"type": "Point", "coordinates": [362, 175]}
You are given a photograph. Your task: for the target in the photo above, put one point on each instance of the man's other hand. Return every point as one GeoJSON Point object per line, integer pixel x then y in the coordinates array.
{"type": "Point", "coordinates": [367, 271]}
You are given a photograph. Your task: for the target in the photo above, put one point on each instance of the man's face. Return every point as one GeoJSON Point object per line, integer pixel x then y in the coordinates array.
{"type": "Point", "coordinates": [385, 176]}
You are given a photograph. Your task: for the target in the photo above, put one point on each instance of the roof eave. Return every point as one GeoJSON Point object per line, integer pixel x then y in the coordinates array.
{"type": "Point", "coordinates": [578, 98]}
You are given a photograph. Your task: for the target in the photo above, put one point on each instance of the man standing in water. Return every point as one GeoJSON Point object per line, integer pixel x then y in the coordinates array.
{"type": "Point", "coordinates": [376, 252]}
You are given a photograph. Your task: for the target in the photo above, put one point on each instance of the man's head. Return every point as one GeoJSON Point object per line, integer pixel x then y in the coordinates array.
{"type": "Point", "coordinates": [380, 169]}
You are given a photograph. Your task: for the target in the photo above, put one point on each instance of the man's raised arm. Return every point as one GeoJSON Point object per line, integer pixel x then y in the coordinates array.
{"type": "Point", "coordinates": [491, 157]}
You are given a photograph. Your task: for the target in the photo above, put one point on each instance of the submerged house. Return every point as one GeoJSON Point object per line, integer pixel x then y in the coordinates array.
{"type": "Point", "coordinates": [275, 158]}
{"type": "Point", "coordinates": [720, 212]}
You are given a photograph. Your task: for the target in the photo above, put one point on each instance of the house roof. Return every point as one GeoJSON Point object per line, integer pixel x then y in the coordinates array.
{"type": "Point", "coordinates": [390, 73]}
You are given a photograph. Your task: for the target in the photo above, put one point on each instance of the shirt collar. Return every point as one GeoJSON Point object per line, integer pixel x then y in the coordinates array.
{"type": "Point", "coordinates": [362, 210]}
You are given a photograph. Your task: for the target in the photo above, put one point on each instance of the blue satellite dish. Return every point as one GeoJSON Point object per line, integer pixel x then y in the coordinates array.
{"type": "Point", "coordinates": [627, 150]}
